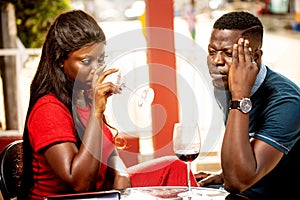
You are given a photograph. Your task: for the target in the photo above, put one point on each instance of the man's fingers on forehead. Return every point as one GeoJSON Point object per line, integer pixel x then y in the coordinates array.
{"type": "Point", "coordinates": [241, 49]}
{"type": "Point", "coordinates": [235, 51]}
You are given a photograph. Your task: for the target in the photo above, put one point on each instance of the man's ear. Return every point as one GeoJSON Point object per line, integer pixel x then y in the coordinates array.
{"type": "Point", "coordinates": [257, 54]}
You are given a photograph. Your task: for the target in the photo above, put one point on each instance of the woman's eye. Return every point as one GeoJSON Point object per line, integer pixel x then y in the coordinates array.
{"type": "Point", "coordinates": [101, 60]}
{"type": "Point", "coordinates": [86, 61]}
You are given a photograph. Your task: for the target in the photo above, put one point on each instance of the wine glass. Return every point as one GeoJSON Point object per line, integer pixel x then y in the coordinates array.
{"type": "Point", "coordinates": [144, 95]}
{"type": "Point", "coordinates": [186, 145]}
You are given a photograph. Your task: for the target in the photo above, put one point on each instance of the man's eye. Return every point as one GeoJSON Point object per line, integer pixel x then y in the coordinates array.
{"type": "Point", "coordinates": [229, 54]}
{"type": "Point", "coordinates": [211, 52]}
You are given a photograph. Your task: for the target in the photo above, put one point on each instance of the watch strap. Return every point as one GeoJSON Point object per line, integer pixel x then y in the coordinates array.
{"type": "Point", "coordinates": [234, 104]}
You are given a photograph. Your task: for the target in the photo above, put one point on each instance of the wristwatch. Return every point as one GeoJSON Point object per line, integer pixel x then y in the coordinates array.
{"type": "Point", "coordinates": [243, 105]}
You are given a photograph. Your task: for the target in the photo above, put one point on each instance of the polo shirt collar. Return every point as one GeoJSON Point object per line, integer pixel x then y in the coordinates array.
{"type": "Point", "coordinates": [259, 78]}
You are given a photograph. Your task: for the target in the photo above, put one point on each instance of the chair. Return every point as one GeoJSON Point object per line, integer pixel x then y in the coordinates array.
{"type": "Point", "coordinates": [11, 166]}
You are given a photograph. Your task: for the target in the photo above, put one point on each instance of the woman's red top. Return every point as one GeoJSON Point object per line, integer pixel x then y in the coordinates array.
{"type": "Point", "coordinates": [50, 122]}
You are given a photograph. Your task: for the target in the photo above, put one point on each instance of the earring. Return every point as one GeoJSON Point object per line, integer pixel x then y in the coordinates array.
{"type": "Point", "coordinates": [62, 66]}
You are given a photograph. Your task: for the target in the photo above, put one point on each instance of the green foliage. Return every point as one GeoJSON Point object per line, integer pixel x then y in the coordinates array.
{"type": "Point", "coordinates": [34, 17]}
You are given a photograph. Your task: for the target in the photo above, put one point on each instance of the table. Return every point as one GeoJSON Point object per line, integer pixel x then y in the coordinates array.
{"type": "Point", "coordinates": [170, 192]}
{"type": "Point", "coordinates": [151, 193]}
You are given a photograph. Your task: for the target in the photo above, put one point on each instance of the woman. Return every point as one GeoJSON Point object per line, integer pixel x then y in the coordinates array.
{"type": "Point", "coordinates": [68, 146]}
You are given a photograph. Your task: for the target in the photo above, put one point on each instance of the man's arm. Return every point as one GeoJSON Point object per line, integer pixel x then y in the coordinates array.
{"type": "Point", "coordinates": [244, 161]}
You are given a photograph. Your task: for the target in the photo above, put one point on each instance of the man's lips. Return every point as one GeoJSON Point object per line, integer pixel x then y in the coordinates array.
{"type": "Point", "coordinates": [216, 76]}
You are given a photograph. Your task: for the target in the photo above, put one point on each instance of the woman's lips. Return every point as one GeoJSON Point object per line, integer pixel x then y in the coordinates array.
{"type": "Point", "coordinates": [89, 82]}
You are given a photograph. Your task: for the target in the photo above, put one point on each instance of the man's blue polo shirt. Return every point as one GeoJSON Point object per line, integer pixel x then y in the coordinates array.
{"type": "Point", "coordinates": [274, 119]}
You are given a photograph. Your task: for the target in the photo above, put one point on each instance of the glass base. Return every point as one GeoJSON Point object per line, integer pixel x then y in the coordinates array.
{"type": "Point", "coordinates": [190, 195]}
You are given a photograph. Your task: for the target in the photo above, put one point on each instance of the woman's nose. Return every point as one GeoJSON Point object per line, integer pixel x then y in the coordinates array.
{"type": "Point", "coordinates": [99, 67]}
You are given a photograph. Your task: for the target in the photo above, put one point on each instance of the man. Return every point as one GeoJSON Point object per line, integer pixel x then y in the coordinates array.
{"type": "Point", "coordinates": [260, 154]}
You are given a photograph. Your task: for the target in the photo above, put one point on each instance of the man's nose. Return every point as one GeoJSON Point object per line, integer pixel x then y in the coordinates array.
{"type": "Point", "coordinates": [218, 59]}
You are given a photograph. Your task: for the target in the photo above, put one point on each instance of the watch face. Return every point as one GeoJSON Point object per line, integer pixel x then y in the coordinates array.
{"type": "Point", "coordinates": [245, 105]}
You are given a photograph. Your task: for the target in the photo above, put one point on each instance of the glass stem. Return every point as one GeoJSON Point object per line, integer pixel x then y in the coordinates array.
{"type": "Point", "coordinates": [188, 176]}
{"type": "Point", "coordinates": [123, 85]}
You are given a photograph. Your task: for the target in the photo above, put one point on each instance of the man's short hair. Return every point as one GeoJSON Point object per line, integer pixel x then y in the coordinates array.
{"type": "Point", "coordinates": [241, 20]}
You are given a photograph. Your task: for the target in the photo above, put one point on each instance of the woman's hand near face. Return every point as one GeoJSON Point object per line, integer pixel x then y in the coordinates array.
{"type": "Point", "coordinates": [79, 167]}
{"type": "Point", "coordinates": [101, 91]}
{"type": "Point", "coordinates": [243, 70]}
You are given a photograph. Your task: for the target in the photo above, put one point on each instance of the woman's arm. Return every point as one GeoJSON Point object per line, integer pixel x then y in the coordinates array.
{"type": "Point", "coordinates": [120, 174]}
{"type": "Point", "coordinates": [79, 167]}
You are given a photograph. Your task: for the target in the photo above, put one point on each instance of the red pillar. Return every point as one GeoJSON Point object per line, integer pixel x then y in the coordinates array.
{"type": "Point", "coordinates": [162, 69]}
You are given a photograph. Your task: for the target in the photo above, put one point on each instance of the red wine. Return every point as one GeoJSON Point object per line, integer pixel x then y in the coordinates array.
{"type": "Point", "coordinates": [187, 155]}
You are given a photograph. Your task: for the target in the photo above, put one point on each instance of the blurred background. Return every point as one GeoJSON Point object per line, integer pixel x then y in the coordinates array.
{"type": "Point", "coordinates": [25, 23]}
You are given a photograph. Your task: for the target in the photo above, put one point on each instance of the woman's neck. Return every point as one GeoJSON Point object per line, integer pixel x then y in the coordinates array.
{"type": "Point", "coordinates": [81, 100]}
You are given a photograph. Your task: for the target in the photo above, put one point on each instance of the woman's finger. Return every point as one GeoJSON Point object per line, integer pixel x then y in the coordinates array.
{"type": "Point", "coordinates": [105, 74]}
{"type": "Point", "coordinates": [107, 89]}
